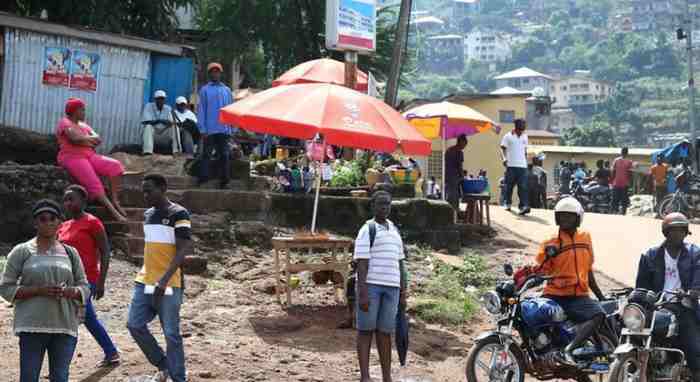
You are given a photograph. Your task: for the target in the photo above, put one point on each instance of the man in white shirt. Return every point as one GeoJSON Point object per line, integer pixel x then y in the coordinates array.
{"type": "Point", "coordinates": [158, 127]}
{"type": "Point", "coordinates": [514, 147]}
{"type": "Point", "coordinates": [676, 265]}
{"type": "Point", "coordinates": [186, 121]}
{"type": "Point", "coordinates": [381, 284]}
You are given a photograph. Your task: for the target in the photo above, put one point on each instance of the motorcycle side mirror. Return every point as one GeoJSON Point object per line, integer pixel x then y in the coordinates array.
{"type": "Point", "coordinates": [551, 252]}
{"type": "Point", "coordinates": [508, 269]}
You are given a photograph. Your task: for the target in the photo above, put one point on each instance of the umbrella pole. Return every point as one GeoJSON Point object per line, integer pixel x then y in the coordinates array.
{"type": "Point", "coordinates": [443, 165]}
{"type": "Point", "coordinates": [318, 190]}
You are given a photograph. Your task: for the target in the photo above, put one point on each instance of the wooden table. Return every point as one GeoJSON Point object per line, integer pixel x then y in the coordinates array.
{"type": "Point", "coordinates": [477, 205]}
{"type": "Point", "coordinates": [285, 245]}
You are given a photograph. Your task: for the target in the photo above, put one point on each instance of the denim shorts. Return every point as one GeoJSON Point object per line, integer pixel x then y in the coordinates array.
{"type": "Point", "coordinates": [383, 308]}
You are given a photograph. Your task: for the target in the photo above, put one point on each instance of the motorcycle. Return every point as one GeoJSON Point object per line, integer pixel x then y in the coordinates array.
{"type": "Point", "coordinates": [531, 331]}
{"type": "Point", "coordinates": [647, 350]}
{"type": "Point", "coordinates": [686, 198]}
{"type": "Point", "coordinates": [594, 197]}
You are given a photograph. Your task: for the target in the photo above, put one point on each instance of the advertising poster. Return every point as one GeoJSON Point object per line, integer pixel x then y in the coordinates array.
{"type": "Point", "coordinates": [56, 64]}
{"type": "Point", "coordinates": [351, 25]}
{"type": "Point", "coordinates": [84, 70]}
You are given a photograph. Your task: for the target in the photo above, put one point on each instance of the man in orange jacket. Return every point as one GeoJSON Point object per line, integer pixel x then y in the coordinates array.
{"type": "Point", "coordinates": [568, 258]}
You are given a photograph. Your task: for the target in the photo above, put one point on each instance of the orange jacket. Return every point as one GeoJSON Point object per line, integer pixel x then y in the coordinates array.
{"type": "Point", "coordinates": [571, 267]}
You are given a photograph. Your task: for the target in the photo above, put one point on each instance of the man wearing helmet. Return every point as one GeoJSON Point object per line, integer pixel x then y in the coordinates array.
{"type": "Point", "coordinates": [568, 258]}
{"type": "Point", "coordinates": [674, 265]}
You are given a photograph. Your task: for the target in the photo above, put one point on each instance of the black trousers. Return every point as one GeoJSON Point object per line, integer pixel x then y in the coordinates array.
{"type": "Point", "coordinates": [223, 152]}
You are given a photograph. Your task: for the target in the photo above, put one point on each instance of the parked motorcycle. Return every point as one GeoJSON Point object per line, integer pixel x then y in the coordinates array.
{"type": "Point", "coordinates": [686, 199]}
{"type": "Point", "coordinates": [647, 350]}
{"type": "Point", "coordinates": [593, 197]}
{"type": "Point", "coordinates": [531, 331]}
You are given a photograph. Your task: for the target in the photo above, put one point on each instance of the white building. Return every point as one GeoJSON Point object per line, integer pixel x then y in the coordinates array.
{"type": "Point", "coordinates": [524, 79]}
{"type": "Point", "coordinates": [487, 46]}
{"type": "Point", "coordinates": [579, 90]}
{"type": "Point", "coordinates": [467, 8]}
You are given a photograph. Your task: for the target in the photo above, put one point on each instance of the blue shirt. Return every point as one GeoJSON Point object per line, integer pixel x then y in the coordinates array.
{"type": "Point", "coordinates": [212, 97]}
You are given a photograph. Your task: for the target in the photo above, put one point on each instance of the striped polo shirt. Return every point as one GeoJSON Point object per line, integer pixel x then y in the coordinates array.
{"type": "Point", "coordinates": [384, 255]}
{"type": "Point", "coordinates": [161, 229]}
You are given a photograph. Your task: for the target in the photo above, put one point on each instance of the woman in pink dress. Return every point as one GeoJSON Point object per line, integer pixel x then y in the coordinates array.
{"type": "Point", "coordinates": [77, 142]}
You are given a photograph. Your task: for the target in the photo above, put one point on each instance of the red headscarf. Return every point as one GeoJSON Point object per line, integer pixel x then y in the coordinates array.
{"type": "Point", "coordinates": [73, 104]}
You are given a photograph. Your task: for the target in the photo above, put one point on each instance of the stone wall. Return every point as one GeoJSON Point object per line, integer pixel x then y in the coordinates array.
{"type": "Point", "coordinates": [20, 188]}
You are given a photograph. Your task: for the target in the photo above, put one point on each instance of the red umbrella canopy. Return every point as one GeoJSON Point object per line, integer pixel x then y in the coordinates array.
{"type": "Point", "coordinates": [343, 116]}
{"type": "Point", "coordinates": [324, 70]}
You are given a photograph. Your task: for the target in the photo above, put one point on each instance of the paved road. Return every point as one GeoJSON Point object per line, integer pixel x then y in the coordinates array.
{"type": "Point", "coordinates": [618, 241]}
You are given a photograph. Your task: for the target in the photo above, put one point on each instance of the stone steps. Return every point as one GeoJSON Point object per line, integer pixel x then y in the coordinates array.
{"type": "Point", "coordinates": [133, 181]}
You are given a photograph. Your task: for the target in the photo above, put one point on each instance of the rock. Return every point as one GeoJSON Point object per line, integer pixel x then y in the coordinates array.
{"type": "Point", "coordinates": [254, 234]}
{"type": "Point", "coordinates": [641, 205]}
{"type": "Point", "coordinates": [267, 287]}
{"type": "Point", "coordinates": [22, 186]}
{"type": "Point", "coordinates": [206, 374]}
{"type": "Point", "coordinates": [195, 265]}
{"type": "Point", "coordinates": [27, 147]}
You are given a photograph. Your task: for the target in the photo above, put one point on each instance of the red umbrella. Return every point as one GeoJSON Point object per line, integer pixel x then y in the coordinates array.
{"type": "Point", "coordinates": [343, 116]}
{"type": "Point", "coordinates": [323, 70]}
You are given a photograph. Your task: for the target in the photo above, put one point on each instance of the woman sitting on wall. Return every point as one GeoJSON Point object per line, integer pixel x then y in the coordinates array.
{"type": "Point", "coordinates": [77, 155]}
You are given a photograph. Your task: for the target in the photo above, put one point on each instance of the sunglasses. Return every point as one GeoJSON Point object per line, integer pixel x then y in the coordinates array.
{"type": "Point", "coordinates": [47, 219]}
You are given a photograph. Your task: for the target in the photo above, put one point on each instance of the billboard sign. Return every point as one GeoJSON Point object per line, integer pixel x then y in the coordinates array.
{"type": "Point", "coordinates": [351, 25]}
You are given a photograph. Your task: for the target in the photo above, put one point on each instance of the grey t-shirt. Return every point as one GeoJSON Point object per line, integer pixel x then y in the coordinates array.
{"type": "Point", "coordinates": [61, 266]}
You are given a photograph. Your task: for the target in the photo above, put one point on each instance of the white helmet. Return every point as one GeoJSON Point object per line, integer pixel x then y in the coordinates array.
{"type": "Point", "coordinates": [569, 204]}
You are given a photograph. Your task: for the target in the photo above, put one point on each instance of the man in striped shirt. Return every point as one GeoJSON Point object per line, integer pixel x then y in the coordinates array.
{"type": "Point", "coordinates": [381, 284]}
{"type": "Point", "coordinates": [159, 284]}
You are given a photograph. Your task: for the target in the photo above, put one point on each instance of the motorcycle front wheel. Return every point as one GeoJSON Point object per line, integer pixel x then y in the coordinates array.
{"type": "Point", "coordinates": [625, 368]}
{"type": "Point", "coordinates": [489, 360]}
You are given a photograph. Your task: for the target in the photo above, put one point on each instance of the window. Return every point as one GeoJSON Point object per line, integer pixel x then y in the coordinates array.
{"type": "Point", "coordinates": [526, 80]}
{"type": "Point", "coordinates": [563, 88]}
{"type": "Point", "coordinates": [506, 116]}
{"type": "Point", "coordinates": [435, 165]}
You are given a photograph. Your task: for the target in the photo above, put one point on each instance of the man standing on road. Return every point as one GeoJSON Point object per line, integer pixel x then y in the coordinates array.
{"type": "Point", "coordinates": [674, 265]}
{"type": "Point", "coordinates": [659, 171]}
{"type": "Point", "coordinates": [454, 162]}
{"type": "Point", "coordinates": [159, 285]}
{"type": "Point", "coordinates": [212, 97]}
{"type": "Point", "coordinates": [621, 176]}
{"type": "Point", "coordinates": [381, 284]}
{"type": "Point", "coordinates": [514, 146]}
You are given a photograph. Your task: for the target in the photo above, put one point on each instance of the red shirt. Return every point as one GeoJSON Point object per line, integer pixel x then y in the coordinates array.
{"type": "Point", "coordinates": [623, 172]}
{"type": "Point", "coordinates": [81, 234]}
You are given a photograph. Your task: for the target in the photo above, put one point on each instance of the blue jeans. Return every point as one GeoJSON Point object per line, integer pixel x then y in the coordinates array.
{"type": "Point", "coordinates": [383, 307]}
{"type": "Point", "coordinates": [95, 327]}
{"type": "Point", "coordinates": [516, 176]}
{"type": "Point", "coordinates": [33, 347]}
{"type": "Point", "coordinates": [141, 312]}
{"type": "Point", "coordinates": [223, 152]}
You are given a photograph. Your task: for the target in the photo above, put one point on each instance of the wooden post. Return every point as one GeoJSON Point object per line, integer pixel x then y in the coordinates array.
{"type": "Point", "coordinates": [392, 85]}
{"type": "Point", "coordinates": [351, 69]}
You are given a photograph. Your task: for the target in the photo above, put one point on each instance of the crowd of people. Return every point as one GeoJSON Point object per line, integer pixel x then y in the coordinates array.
{"type": "Point", "coordinates": [53, 278]}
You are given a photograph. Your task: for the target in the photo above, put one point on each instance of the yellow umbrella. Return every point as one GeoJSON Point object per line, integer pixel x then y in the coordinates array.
{"type": "Point", "coordinates": [448, 120]}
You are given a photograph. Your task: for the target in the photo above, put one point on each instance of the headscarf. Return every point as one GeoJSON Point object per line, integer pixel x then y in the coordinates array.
{"type": "Point", "coordinates": [46, 205]}
{"type": "Point", "coordinates": [73, 104]}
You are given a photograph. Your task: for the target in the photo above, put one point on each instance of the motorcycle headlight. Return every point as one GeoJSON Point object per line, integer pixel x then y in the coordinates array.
{"type": "Point", "coordinates": [491, 302]}
{"type": "Point", "coordinates": [633, 317]}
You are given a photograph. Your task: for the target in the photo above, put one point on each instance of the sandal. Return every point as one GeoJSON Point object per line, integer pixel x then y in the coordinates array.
{"type": "Point", "coordinates": [113, 361]}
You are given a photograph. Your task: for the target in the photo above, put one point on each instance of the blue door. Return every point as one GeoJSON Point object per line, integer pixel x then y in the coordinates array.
{"type": "Point", "coordinates": [172, 74]}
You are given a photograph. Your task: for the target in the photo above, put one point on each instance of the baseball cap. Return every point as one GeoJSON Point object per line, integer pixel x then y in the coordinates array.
{"type": "Point", "coordinates": [180, 100]}
{"type": "Point", "coordinates": [215, 65]}
{"type": "Point", "coordinates": [159, 94]}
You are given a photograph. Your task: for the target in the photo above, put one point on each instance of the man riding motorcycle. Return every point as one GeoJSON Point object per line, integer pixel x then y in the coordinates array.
{"type": "Point", "coordinates": [568, 258]}
{"type": "Point", "coordinates": [674, 265]}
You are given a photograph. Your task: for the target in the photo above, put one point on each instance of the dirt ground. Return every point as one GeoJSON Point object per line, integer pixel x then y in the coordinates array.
{"type": "Point", "coordinates": [235, 332]}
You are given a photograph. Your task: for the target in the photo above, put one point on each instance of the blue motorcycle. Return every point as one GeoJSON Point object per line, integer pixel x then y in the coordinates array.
{"type": "Point", "coordinates": [531, 331]}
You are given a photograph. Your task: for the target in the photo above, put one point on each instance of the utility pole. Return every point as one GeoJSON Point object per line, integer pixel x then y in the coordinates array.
{"type": "Point", "coordinates": [392, 85]}
{"type": "Point", "coordinates": [687, 34]}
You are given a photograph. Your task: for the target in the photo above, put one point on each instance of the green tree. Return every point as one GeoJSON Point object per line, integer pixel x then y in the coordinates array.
{"type": "Point", "coordinates": [151, 19]}
{"type": "Point", "coordinates": [596, 133]}
{"type": "Point", "coordinates": [284, 33]}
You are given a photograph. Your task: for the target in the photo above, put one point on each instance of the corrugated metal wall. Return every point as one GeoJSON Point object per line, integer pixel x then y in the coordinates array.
{"type": "Point", "coordinates": [114, 110]}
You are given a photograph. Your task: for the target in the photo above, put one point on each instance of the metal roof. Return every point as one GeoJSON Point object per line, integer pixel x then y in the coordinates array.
{"type": "Point", "coordinates": [541, 134]}
{"type": "Point", "coordinates": [521, 73]}
{"type": "Point", "coordinates": [507, 90]}
{"type": "Point", "coordinates": [41, 26]}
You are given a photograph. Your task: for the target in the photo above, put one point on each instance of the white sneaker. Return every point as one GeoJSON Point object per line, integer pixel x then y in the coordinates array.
{"type": "Point", "coordinates": [160, 376]}
{"type": "Point", "coordinates": [507, 207]}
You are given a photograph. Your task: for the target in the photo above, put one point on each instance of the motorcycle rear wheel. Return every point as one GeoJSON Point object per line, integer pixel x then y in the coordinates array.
{"type": "Point", "coordinates": [625, 369]}
{"type": "Point", "coordinates": [512, 368]}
